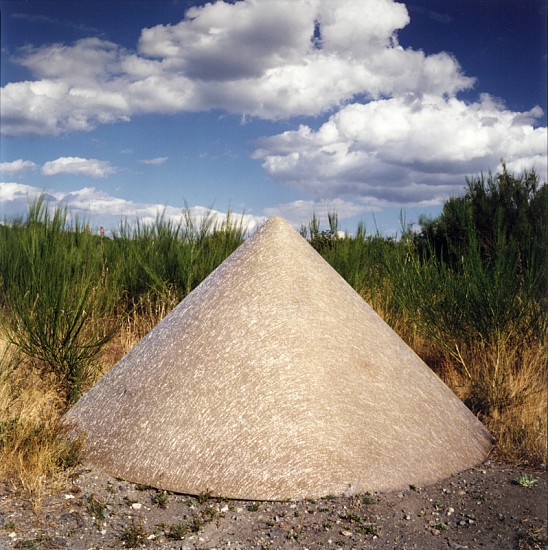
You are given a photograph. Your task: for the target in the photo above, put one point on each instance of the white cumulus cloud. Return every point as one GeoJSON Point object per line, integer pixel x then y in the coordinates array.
{"type": "Point", "coordinates": [393, 128]}
{"type": "Point", "coordinates": [16, 166]}
{"type": "Point", "coordinates": [78, 166]}
{"type": "Point", "coordinates": [404, 149]}
{"type": "Point", "coordinates": [273, 60]}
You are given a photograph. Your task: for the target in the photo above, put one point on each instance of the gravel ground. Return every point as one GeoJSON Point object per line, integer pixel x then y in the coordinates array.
{"type": "Point", "coordinates": [481, 508]}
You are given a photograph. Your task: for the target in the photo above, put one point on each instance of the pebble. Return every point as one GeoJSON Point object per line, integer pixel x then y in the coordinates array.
{"type": "Point", "coordinates": [136, 505]}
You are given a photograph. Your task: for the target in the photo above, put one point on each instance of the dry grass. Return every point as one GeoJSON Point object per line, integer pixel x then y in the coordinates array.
{"type": "Point", "coordinates": [507, 387]}
{"type": "Point", "coordinates": [145, 314]}
{"type": "Point", "coordinates": [35, 456]}
{"type": "Point", "coordinates": [508, 390]}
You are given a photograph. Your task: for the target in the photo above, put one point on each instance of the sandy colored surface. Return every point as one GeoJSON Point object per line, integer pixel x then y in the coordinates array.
{"type": "Point", "coordinates": [275, 380]}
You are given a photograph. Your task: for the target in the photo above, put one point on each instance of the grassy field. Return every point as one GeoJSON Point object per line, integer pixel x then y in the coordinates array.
{"type": "Point", "coordinates": [72, 304]}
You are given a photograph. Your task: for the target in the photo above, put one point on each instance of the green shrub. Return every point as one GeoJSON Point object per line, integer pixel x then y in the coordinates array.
{"type": "Point", "coordinates": [56, 296]}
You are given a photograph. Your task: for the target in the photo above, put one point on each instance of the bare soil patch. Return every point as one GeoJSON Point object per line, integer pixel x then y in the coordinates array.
{"type": "Point", "coordinates": [481, 508]}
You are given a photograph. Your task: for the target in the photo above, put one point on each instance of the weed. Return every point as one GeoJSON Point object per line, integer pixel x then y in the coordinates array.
{"type": "Point", "coordinates": [160, 498]}
{"type": "Point", "coordinates": [253, 507]}
{"type": "Point", "coordinates": [368, 529]}
{"type": "Point", "coordinates": [354, 518]}
{"type": "Point", "coordinates": [209, 514]}
{"type": "Point", "coordinates": [196, 523]}
{"type": "Point", "coordinates": [97, 508]}
{"type": "Point", "coordinates": [177, 531]}
{"type": "Point", "coordinates": [204, 497]}
{"type": "Point", "coordinates": [526, 480]}
{"type": "Point", "coordinates": [133, 535]}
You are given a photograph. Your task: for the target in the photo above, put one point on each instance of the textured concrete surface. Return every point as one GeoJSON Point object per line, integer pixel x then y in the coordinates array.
{"type": "Point", "coordinates": [272, 380]}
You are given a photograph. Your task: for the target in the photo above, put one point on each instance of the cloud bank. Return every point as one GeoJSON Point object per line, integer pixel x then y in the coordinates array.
{"type": "Point", "coordinates": [100, 208]}
{"type": "Point", "coordinates": [265, 59]}
{"type": "Point", "coordinates": [404, 149]}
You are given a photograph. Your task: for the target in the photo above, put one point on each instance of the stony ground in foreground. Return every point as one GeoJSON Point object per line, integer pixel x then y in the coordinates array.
{"type": "Point", "coordinates": [480, 508]}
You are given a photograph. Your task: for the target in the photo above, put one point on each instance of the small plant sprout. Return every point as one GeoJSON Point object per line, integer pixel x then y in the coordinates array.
{"type": "Point", "coordinates": [160, 499]}
{"type": "Point", "coordinates": [526, 480]}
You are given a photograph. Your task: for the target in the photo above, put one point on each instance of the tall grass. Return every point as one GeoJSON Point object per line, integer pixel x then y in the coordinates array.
{"type": "Point", "coordinates": [35, 455]}
{"type": "Point", "coordinates": [167, 260]}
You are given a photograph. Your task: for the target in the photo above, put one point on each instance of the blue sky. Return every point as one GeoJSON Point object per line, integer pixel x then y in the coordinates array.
{"type": "Point", "coordinates": [272, 107]}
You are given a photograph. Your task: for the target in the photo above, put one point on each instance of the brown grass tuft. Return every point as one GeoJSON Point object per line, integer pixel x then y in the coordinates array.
{"type": "Point", "coordinates": [35, 455]}
{"type": "Point", "coordinates": [508, 391]}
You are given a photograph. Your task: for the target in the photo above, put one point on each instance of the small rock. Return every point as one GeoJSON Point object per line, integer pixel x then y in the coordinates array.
{"type": "Point", "coordinates": [224, 508]}
{"type": "Point", "coordinates": [346, 533]}
{"type": "Point", "coordinates": [136, 505]}
{"type": "Point", "coordinates": [68, 497]}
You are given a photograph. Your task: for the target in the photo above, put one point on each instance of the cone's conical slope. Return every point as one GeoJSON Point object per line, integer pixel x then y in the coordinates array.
{"type": "Point", "coordinates": [274, 379]}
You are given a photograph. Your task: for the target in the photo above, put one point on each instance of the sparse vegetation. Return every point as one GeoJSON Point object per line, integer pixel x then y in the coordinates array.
{"type": "Point", "coordinates": [467, 292]}
{"type": "Point", "coordinates": [133, 535]}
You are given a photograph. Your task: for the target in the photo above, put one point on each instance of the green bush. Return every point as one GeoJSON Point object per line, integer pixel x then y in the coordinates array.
{"type": "Point", "coordinates": [56, 297]}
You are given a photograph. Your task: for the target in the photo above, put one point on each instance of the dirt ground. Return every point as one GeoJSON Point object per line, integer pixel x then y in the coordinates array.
{"type": "Point", "coordinates": [481, 508]}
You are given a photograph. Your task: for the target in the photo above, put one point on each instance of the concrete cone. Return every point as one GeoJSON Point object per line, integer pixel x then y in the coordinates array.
{"type": "Point", "coordinates": [275, 380]}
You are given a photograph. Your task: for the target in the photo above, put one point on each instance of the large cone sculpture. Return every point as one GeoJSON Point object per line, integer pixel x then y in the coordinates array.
{"type": "Point", "coordinates": [275, 380]}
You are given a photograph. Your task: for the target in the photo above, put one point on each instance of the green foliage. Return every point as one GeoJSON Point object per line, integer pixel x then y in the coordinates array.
{"type": "Point", "coordinates": [526, 480]}
{"type": "Point", "coordinates": [63, 290]}
{"type": "Point", "coordinates": [500, 209]}
{"type": "Point", "coordinates": [472, 280]}
{"type": "Point", "coordinates": [55, 294]}
{"type": "Point", "coordinates": [167, 260]}
{"type": "Point", "coordinates": [134, 535]}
